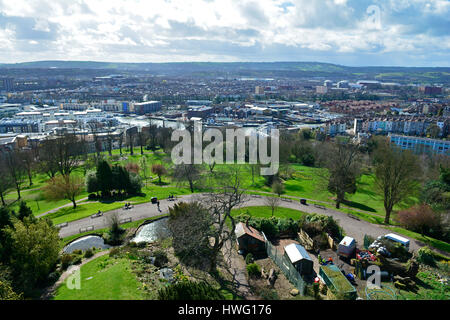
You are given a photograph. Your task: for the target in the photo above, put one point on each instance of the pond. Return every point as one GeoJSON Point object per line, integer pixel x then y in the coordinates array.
{"type": "Point", "coordinates": [153, 231]}
{"type": "Point", "coordinates": [85, 243]}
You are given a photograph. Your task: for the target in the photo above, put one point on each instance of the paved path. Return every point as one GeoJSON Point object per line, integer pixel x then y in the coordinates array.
{"type": "Point", "coordinates": [352, 226]}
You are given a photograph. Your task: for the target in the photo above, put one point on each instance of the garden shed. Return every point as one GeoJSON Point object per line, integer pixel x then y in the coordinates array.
{"type": "Point", "coordinates": [249, 239]}
{"type": "Point", "coordinates": [298, 256]}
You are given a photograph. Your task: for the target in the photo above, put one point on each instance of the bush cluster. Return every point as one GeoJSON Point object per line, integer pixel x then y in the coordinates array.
{"type": "Point", "coordinates": [189, 290]}
{"type": "Point", "coordinates": [272, 227]}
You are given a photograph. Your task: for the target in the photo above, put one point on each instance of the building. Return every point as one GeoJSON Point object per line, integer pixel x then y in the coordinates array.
{"type": "Point", "coordinates": [142, 108]}
{"type": "Point", "coordinates": [8, 84]}
{"type": "Point", "coordinates": [343, 84]}
{"type": "Point", "coordinates": [199, 112]}
{"type": "Point", "coordinates": [18, 126]}
{"type": "Point", "coordinates": [299, 258]}
{"type": "Point", "coordinates": [259, 90]}
{"type": "Point", "coordinates": [421, 145]}
{"type": "Point", "coordinates": [430, 90]}
{"type": "Point", "coordinates": [321, 89]}
{"type": "Point", "coordinates": [357, 126]}
{"type": "Point", "coordinates": [249, 239]}
{"type": "Point", "coordinates": [198, 103]}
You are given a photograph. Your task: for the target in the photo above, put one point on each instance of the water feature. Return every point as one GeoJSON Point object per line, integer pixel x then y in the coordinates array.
{"type": "Point", "coordinates": [85, 243]}
{"type": "Point", "coordinates": [152, 231]}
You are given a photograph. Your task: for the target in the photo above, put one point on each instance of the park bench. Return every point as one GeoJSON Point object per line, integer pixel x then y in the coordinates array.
{"type": "Point", "coordinates": [125, 220]}
{"type": "Point", "coordinates": [286, 199]}
{"type": "Point", "coordinates": [90, 228]}
{"type": "Point", "coordinates": [96, 215]}
{"type": "Point", "coordinates": [62, 225]}
{"type": "Point", "coordinates": [318, 206]}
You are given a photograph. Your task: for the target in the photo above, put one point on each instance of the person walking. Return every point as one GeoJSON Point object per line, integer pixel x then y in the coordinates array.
{"type": "Point", "coordinates": [158, 206]}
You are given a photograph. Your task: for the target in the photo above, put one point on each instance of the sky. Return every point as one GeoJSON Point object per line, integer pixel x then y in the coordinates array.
{"type": "Point", "coordinates": [347, 32]}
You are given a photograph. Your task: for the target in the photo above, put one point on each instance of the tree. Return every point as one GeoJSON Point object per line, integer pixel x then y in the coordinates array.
{"type": "Point", "coordinates": [396, 175]}
{"type": "Point", "coordinates": [68, 151]}
{"type": "Point", "coordinates": [29, 163]}
{"type": "Point", "coordinates": [35, 249]}
{"type": "Point", "coordinates": [6, 182]}
{"type": "Point", "coordinates": [225, 194]}
{"type": "Point", "coordinates": [433, 131]}
{"type": "Point", "coordinates": [159, 170]}
{"type": "Point", "coordinates": [48, 162]}
{"type": "Point", "coordinates": [272, 202]}
{"type": "Point", "coordinates": [115, 232]}
{"type": "Point", "coordinates": [64, 187]}
{"type": "Point", "coordinates": [189, 173]}
{"type": "Point", "coordinates": [190, 226]}
{"type": "Point", "coordinates": [343, 169]}
{"type": "Point", "coordinates": [15, 169]}
{"type": "Point", "coordinates": [419, 218]}
{"type": "Point", "coordinates": [278, 188]}
{"type": "Point", "coordinates": [24, 212]}
{"type": "Point", "coordinates": [105, 179]}
{"type": "Point", "coordinates": [91, 183]}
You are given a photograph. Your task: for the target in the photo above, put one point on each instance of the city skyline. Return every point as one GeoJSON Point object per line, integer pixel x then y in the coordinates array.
{"type": "Point", "coordinates": [344, 32]}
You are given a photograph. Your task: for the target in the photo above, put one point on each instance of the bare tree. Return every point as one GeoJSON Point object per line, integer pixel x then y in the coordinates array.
{"type": "Point", "coordinates": [159, 170]}
{"type": "Point", "coordinates": [68, 153]}
{"type": "Point", "coordinates": [343, 169]}
{"type": "Point", "coordinates": [16, 170]}
{"type": "Point", "coordinates": [225, 194]}
{"type": "Point", "coordinates": [48, 162]}
{"type": "Point", "coordinates": [272, 202]}
{"type": "Point", "coordinates": [397, 175]}
{"type": "Point", "coordinates": [29, 163]}
{"type": "Point", "coordinates": [6, 182]}
{"type": "Point", "coordinates": [189, 173]}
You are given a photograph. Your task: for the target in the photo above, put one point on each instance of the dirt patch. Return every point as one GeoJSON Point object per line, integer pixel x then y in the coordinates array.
{"type": "Point", "coordinates": [281, 288]}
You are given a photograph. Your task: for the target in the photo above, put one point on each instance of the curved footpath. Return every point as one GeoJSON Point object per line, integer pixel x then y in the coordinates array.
{"type": "Point", "coordinates": [352, 226]}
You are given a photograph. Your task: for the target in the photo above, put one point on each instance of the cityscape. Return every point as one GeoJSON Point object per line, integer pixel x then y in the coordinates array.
{"type": "Point", "coordinates": [195, 174]}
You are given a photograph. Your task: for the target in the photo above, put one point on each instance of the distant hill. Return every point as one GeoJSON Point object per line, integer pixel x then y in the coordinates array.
{"type": "Point", "coordinates": [254, 69]}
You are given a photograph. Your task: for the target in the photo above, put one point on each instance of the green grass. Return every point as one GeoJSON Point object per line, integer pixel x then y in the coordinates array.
{"type": "Point", "coordinates": [68, 214]}
{"type": "Point", "coordinates": [112, 279]}
{"type": "Point", "coordinates": [266, 212]}
{"type": "Point", "coordinates": [429, 289]}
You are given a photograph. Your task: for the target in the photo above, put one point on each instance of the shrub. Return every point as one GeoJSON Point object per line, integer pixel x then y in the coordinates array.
{"type": "Point", "coordinates": [114, 252]}
{"type": "Point", "coordinates": [53, 277]}
{"type": "Point", "coordinates": [426, 256]}
{"type": "Point", "coordinates": [92, 196]}
{"type": "Point", "coordinates": [77, 252]}
{"type": "Point", "coordinates": [160, 258]}
{"type": "Point", "coordinates": [77, 260]}
{"type": "Point", "coordinates": [249, 258]}
{"type": "Point", "coordinates": [88, 253]}
{"type": "Point", "coordinates": [254, 270]}
{"type": "Point", "coordinates": [419, 218]}
{"type": "Point", "coordinates": [66, 260]}
{"type": "Point", "coordinates": [189, 290]}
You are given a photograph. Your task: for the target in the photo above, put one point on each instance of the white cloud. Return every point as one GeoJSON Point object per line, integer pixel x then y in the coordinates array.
{"type": "Point", "coordinates": [164, 30]}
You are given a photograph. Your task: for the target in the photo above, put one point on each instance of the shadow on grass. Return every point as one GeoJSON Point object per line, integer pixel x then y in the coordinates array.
{"type": "Point", "coordinates": [358, 206]}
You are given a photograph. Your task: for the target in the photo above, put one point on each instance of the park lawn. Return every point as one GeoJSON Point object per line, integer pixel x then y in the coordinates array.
{"type": "Point", "coordinates": [112, 279]}
{"type": "Point", "coordinates": [68, 214]}
{"type": "Point", "coordinates": [266, 212]}
{"type": "Point", "coordinates": [36, 201]}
